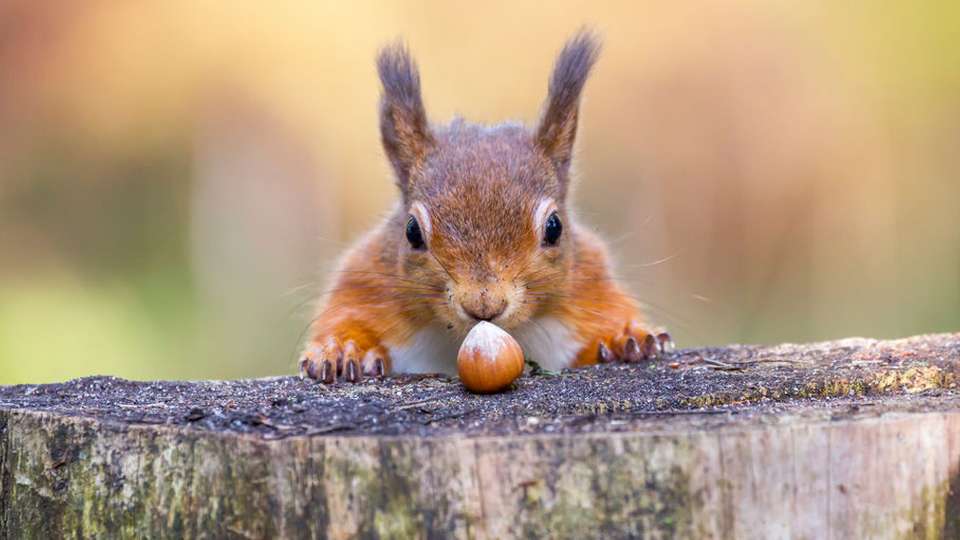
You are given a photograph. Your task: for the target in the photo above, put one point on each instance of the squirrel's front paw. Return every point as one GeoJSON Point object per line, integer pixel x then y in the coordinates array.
{"type": "Point", "coordinates": [633, 344]}
{"type": "Point", "coordinates": [326, 360]}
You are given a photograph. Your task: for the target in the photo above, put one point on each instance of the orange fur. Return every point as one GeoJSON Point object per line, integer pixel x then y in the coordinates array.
{"type": "Point", "coordinates": [478, 200]}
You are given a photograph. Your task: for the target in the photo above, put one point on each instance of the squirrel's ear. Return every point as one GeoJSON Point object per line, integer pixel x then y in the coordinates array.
{"type": "Point", "coordinates": [403, 122]}
{"type": "Point", "coordinates": [558, 125]}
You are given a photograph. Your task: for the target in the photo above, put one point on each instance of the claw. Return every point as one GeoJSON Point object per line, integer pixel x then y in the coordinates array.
{"type": "Point", "coordinates": [604, 354]}
{"type": "Point", "coordinates": [334, 361]}
{"type": "Point", "coordinates": [350, 360]}
{"type": "Point", "coordinates": [665, 342]}
{"type": "Point", "coordinates": [327, 373]}
{"type": "Point", "coordinates": [632, 344]}
{"type": "Point", "coordinates": [373, 364]}
{"type": "Point", "coordinates": [302, 367]}
{"type": "Point", "coordinates": [650, 347]}
{"type": "Point", "coordinates": [352, 372]}
{"type": "Point", "coordinates": [631, 350]}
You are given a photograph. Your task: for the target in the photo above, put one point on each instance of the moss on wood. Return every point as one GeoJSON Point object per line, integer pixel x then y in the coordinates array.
{"type": "Point", "coordinates": [855, 438]}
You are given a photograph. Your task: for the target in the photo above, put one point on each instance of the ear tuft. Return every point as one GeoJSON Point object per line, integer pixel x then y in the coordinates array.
{"type": "Point", "coordinates": [558, 125]}
{"type": "Point", "coordinates": [404, 129]}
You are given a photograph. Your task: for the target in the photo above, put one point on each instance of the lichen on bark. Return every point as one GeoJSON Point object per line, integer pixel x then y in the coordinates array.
{"type": "Point", "coordinates": [853, 438]}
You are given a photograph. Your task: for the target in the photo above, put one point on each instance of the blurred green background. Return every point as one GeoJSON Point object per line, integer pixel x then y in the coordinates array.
{"type": "Point", "coordinates": [176, 176]}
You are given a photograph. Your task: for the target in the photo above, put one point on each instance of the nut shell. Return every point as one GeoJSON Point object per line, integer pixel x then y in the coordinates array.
{"type": "Point", "coordinates": [489, 359]}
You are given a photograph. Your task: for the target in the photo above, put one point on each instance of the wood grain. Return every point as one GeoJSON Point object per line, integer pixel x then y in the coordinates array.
{"type": "Point", "coordinates": [851, 439]}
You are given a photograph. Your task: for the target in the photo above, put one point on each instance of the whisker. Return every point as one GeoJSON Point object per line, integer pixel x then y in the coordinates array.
{"type": "Point", "coordinates": [386, 274]}
{"type": "Point", "coordinates": [444, 267]}
{"type": "Point", "coordinates": [296, 347]}
{"type": "Point", "coordinates": [377, 302]}
{"type": "Point", "coordinates": [647, 306]}
{"type": "Point", "coordinates": [298, 289]}
{"type": "Point", "coordinates": [351, 287]}
{"type": "Point", "coordinates": [658, 261]}
{"type": "Point", "coordinates": [299, 306]}
{"type": "Point", "coordinates": [543, 331]}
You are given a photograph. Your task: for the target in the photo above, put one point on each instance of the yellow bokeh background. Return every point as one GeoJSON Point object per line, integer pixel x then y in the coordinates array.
{"type": "Point", "coordinates": [176, 176]}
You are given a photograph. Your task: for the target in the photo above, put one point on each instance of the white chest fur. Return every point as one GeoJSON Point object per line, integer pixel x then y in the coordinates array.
{"type": "Point", "coordinates": [431, 350]}
{"type": "Point", "coordinates": [546, 341]}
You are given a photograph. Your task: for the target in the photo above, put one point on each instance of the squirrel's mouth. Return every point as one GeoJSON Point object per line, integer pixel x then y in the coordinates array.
{"type": "Point", "coordinates": [506, 318]}
{"type": "Point", "coordinates": [488, 313]}
{"type": "Point", "coordinates": [469, 315]}
{"type": "Point", "coordinates": [498, 302]}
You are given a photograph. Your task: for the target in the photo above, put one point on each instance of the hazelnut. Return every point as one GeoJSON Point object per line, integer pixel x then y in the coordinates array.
{"type": "Point", "coordinates": [489, 359]}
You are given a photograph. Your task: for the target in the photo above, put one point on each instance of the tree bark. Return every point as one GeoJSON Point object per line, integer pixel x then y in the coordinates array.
{"type": "Point", "coordinates": [848, 439]}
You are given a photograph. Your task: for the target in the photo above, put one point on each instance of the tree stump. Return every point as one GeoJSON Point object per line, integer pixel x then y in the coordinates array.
{"type": "Point", "coordinates": [847, 439]}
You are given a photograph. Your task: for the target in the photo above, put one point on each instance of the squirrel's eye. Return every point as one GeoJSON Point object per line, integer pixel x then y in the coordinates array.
{"type": "Point", "coordinates": [414, 236]}
{"type": "Point", "coordinates": [552, 230]}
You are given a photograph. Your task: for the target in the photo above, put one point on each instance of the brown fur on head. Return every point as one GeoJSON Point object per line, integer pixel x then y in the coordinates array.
{"type": "Point", "coordinates": [481, 198]}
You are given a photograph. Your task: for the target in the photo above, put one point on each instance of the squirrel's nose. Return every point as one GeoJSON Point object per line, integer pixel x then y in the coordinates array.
{"type": "Point", "coordinates": [484, 306]}
{"type": "Point", "coordinates": [485, 314]}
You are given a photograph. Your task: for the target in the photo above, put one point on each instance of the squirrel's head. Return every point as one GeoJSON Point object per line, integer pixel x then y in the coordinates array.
{"type": "Point", "coordinates": [486, 218]}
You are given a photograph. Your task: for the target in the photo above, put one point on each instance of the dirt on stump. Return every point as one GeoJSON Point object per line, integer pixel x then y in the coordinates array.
{"type": "Point", "coordinates": [693, 386]}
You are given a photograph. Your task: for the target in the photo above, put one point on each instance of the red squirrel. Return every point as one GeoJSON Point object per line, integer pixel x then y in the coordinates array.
{"type": "Point", "coordinates": [482, 232]}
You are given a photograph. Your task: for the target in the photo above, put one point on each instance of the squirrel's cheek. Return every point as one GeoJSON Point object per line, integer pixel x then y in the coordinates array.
{"type": "Point", "coordinates": [553, 255]}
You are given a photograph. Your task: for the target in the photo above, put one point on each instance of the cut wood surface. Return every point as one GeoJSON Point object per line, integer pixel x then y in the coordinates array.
{"type": "Point", "coordinates": [848, 439]}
